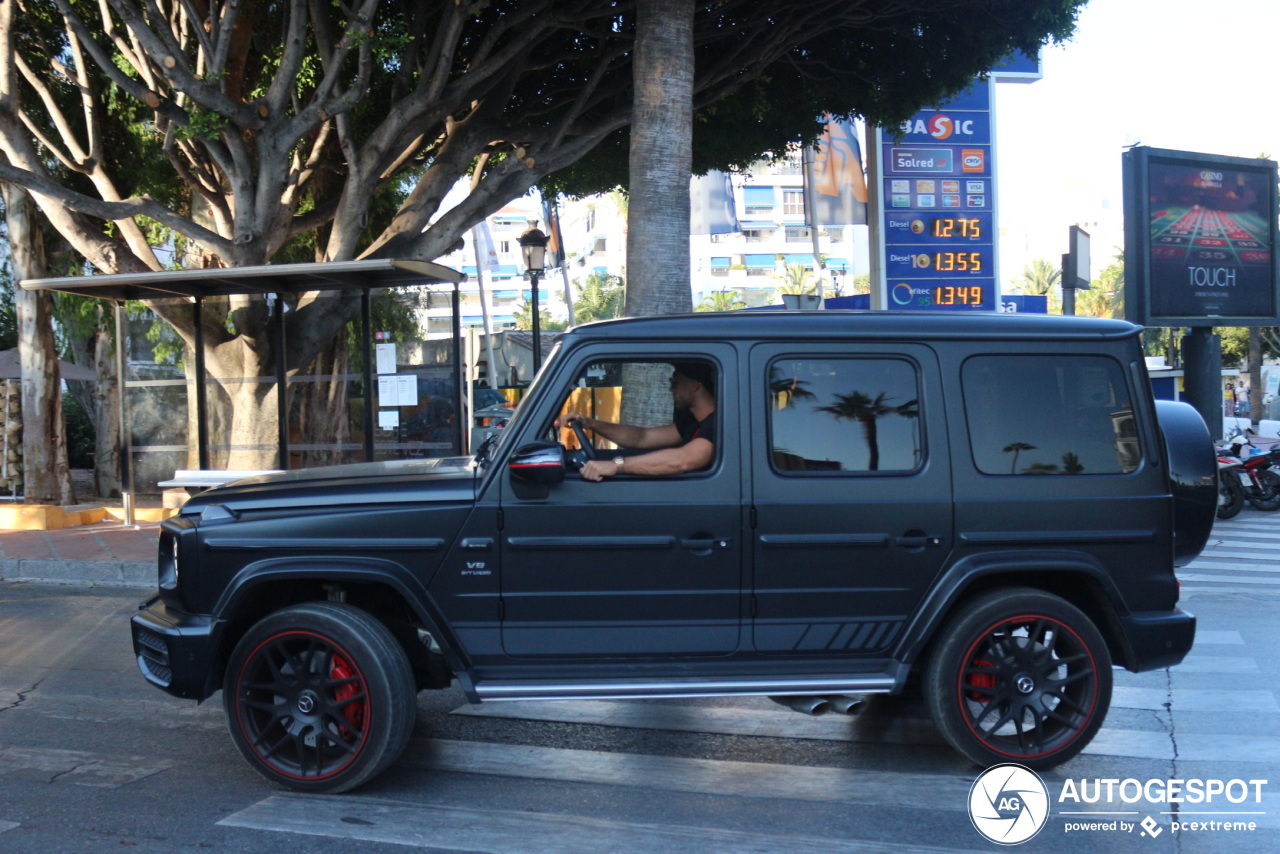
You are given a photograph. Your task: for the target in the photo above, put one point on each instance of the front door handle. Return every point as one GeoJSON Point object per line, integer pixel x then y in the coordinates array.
{"type": "Point", "coordinates": [707, 545]}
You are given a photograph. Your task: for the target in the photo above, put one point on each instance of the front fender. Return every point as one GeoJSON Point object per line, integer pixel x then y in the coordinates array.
{"type": "Point", "coordinates": [335, 570]}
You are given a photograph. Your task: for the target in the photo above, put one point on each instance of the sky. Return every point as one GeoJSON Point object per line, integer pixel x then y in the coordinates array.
{"type": "Point", "coordinates": [1178, 74]}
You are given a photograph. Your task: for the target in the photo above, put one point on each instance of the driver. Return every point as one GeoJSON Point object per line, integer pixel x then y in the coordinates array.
{"type": "Point", "coordinates": [685, 445]}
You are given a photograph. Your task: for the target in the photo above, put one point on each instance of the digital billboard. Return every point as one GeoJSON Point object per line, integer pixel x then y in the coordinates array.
{"type": "Point", "coordinates": [1200, 239]}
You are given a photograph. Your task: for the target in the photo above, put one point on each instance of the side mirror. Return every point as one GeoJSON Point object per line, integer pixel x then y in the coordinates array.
{"type": "Point", "coordinates": [538, 462]}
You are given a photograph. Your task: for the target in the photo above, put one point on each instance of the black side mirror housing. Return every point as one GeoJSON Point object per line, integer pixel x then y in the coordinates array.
{"type": "Point", "coordinates": [542, 463]}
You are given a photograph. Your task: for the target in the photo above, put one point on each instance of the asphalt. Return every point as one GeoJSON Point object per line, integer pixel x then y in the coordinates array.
{"type": "Point", "coordinates": [108, 554]}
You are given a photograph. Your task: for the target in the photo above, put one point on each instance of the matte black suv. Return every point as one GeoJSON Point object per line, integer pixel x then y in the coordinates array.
{"type": "Point", "coordinates": [987, 502]}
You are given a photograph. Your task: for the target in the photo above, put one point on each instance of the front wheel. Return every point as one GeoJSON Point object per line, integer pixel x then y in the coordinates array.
{"type": "Point", "coordinates": [319, 697]}
{"type": "Point", "coordinates": [1230, 494]}
{"type": "Point", "coordinates": [1019, 676]}
{"type": "Point", "coordinates": [1267, 495]}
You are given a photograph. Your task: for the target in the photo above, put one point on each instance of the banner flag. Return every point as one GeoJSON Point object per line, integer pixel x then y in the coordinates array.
{"type": "Point", "coordinates": [711, 208]}
{"type": "Point", "coordinates": [834, 173]}
{"type": "Point", "coordinates": [487, 254]}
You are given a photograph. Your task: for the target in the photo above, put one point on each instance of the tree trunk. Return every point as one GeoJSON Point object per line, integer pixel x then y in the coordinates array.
{"type": "Point", "coordinates": [44, 437]}
{"type": "Point", "coordinates": [660, 166]}
{"type": "Point", "coordinates": [106, 406]}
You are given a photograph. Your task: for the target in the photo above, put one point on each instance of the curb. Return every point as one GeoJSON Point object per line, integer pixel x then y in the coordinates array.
{"type": "Point", "coordinates": [101, 573]}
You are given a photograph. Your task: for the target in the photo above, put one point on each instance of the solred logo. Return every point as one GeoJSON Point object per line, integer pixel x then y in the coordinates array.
{"type": "Point", "coordinates": [941, 127]}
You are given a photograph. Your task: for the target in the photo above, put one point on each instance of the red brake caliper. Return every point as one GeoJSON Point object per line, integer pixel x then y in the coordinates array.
{"type": "Point", "coordinates": [353, 712]}
{"type": "Point", "coordinates": [981, 680]}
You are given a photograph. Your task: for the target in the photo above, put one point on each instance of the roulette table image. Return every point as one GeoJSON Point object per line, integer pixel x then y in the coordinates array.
{"type": "Point", "coordinates": [1198, 235]}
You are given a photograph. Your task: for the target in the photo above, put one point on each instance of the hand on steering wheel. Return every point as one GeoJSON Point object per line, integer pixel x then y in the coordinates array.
{"type": "Point", "coordinates": [588, 450]}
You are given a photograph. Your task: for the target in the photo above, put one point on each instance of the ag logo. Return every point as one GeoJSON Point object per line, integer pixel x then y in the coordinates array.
{"type": "Point", "coordinates": [1008, 804]}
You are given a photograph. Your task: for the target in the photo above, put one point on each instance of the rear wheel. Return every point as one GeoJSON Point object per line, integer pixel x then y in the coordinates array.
{"type": "Point", "coordinates": [1268, 494]}
{"type": "Point", "coordinates": [1230, 495]}
{"type": "Point", "coordinates": [319, 697]}
{"type": "Point", "coordinates": [1019, 675]}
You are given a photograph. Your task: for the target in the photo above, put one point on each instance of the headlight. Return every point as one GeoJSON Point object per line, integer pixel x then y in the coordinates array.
{"type": "Point", "coordinates": [168, 562]}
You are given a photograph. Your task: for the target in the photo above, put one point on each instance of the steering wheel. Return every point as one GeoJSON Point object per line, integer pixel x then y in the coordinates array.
{"type": "Point", "coordinates": [588, 450]}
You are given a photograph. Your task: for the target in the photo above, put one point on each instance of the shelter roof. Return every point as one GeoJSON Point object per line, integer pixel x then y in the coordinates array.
{"type": "Point", "coordinates": [271, 278]}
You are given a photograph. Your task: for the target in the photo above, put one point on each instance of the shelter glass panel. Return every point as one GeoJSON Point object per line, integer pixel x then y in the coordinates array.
{"type": "Point", "coordinates": [159, 386]}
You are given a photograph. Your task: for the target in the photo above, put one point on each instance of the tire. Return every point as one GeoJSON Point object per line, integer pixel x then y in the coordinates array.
{"type": "Point", "coordinates": [1230, 496]}
{"type": "Point", "coordinates": [1269, 486]}
{"type": "Point", "coordinates": [319, 697]}
{"type": "Point", "coordinates": [1019, 676]}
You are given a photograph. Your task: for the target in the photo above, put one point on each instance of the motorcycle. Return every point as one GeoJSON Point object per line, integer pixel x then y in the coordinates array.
{"type": "Point", "coordinates": [1231, 496]}
{"type": "Point", "coordinates": [1261, 484]}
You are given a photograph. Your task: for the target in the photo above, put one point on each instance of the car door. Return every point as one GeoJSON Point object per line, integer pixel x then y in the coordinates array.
{"type": "Point", "coordinates": [851, 493]}
{"type": "Point", "coordinates": [630, 566]}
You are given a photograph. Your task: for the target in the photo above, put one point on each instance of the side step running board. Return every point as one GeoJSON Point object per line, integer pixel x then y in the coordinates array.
{"type": "Point", "coordinates": [878, 683]}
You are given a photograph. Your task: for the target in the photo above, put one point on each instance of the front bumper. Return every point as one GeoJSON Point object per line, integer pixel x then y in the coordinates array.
{"type": "Point", "coordinates": [174, 649]}
{"type": "Point", "coordinates": [1157, 639]}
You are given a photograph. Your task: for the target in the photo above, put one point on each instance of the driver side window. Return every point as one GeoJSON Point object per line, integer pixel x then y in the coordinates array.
{"type": "Point", "coordinates": [636, 393]}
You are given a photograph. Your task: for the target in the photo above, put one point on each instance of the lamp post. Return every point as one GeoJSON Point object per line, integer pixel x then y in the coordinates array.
{"type": "Point", "coordinates": [533, 245]}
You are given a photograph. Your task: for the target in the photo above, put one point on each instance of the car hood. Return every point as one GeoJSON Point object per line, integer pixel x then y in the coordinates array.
{"type": "Point", "coordinates": [392, 482]}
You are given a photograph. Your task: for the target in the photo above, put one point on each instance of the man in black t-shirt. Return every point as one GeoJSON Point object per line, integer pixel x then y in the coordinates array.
{"type": "Point", "coordinates": [686, 445]}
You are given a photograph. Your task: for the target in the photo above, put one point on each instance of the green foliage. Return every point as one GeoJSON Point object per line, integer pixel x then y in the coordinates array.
{"type": "Point", "coordinates": [721, 301]}
{"type": "Point", "coordinates": [1039, 277]}
{"type": "Point", "coordinates": [80, 435]}
{"type": "Point", "coordinates": [798, 279]}
{"type": "Point", "coordinates": [600, 297]}
{"type": "Point", "coordinates": [524, 319]}
{"type": "Point", "coordinates": [8, 309]}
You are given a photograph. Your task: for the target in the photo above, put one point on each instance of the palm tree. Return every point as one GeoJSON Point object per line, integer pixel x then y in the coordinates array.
{"type": "Point", "coordinates": [722, 301]}
{"type": "Point", "coordinates": [786, 390]}
{"type": "Point", "coordinates": [860, 407]}
{"type": "Point", "coordinates": [798, 280]}
{"type": "Point", "coordinates": [600, 297]}
{"type": "Point", "coordinates": [1039, 277]}
{"type": "Point", "coordinates": [1016, 448]}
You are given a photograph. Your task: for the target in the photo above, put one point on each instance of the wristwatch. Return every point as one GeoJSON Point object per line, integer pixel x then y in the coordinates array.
{"type": "Point", "coordinates": [618, 461]}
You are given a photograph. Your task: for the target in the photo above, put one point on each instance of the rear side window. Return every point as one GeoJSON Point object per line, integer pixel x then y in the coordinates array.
{"type": "Point", "coordinates": [844, 415]}
{"type": "Point", "coordinates": [1049, 415]}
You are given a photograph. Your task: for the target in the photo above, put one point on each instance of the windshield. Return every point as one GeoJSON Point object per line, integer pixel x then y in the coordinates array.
{"type": "Point", "coordinates": [488, 450]}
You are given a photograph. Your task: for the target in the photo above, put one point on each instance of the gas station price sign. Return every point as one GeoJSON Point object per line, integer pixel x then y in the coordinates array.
{"type": "Point", "coordinates": [938, 211]}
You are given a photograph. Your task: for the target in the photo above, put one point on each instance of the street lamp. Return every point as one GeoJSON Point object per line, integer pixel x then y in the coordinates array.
{"type": "Point", "coordinates": [533, 245]}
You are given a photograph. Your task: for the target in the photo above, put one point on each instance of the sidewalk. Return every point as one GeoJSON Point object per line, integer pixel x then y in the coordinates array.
{"type": "Point", "coordinates": [106, 554]}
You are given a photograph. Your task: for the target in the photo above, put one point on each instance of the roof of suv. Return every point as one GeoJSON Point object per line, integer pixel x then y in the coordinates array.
{"type": "Point", "coordinates": [932, 325]}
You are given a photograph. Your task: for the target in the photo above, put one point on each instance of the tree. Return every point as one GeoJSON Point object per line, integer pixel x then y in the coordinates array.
{"type": "Point", "coordinates": [1016, 448]}
{"type": "Point", "coordinates": [722, 301]}
{"type": "Point", "coordinates": [256, 132]}
{"type": "Point", "coordinates": [601, 297]}
{"type": "Point", "coordinates": [1039, 277]}
{"type": "Point", "coordinates": [798, 279]}
{"type": "Point", "coordinates": [866, 410]}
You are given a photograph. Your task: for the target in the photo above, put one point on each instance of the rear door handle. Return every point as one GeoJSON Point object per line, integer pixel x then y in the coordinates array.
{"type": "Point", "coordinates": [917, 542]}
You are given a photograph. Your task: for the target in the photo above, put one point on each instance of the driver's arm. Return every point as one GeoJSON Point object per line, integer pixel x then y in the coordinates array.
{"type": "Point", "coordinates": [692, 456]}
{"type": "Point", "coordinates": [627, 435]}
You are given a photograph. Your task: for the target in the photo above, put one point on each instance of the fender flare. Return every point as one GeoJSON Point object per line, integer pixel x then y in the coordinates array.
{"type": "Point", "coordinates": [345, 568]}
{"type": "Point", "coordinates": [951, 586]}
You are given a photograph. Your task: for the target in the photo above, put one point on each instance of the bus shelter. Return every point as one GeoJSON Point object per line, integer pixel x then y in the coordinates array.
{"type": "Point", "coordinates": [172, 414]}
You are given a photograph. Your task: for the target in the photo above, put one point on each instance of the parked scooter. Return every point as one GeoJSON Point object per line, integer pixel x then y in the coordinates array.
{"type": "Point", "coordinates": [1261, 484]}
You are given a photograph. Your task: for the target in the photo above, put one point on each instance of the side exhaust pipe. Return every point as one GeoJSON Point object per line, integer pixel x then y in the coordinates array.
{"type": "Point", "coordinates": [808, 705]}
{"type": "Point", "coordinates": [846, 705]}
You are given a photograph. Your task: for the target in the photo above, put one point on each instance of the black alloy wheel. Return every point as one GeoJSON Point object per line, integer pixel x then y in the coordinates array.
{"type": "Point", "coordinates": [319, 697]}
{"type": "Point", "coordinates": [1019, 675]}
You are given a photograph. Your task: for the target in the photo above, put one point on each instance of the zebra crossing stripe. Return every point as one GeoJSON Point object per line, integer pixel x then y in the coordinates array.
{"type": "Point", "coordinates": [681, 774]}
{"type": "Point", "coordinates": [421, 825]}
